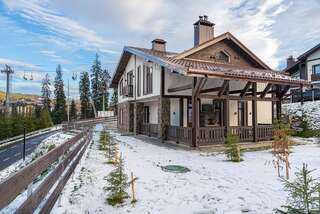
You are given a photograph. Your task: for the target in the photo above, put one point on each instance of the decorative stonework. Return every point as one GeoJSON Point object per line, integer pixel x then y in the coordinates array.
{"type": "Point", "coordinates": [124, 125]}
{"type": "Point", "coordinates": [163, 116]}
{"type": "Point", "coordinates": [138, 117]}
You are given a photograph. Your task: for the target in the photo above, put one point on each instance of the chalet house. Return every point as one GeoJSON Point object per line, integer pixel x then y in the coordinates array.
{"type": "Point", "coordinates": [306, 67]}
{"type": "Point", "coordinates": [199, 95]}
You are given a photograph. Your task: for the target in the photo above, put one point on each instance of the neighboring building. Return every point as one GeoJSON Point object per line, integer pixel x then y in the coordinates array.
{"type": "Point", "coordinates": [23, 106]}
{"type": "Point", "coordinates": [306, 67]}
{"type": "Point", "coordinates": [195, 97]}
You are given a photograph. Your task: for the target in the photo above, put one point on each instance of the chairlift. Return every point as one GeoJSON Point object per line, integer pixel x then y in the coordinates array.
{"type": "Point", "coordinates": [24, 76]}
{"type": "Point", "coordinates": [74, 75]}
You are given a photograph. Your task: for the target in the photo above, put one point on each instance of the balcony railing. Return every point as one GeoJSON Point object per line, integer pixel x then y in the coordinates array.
{"type": "Point", "coordinates": [128, 91]}
{"type": "Point", "coordinates": [315, 77]}
{"type": "Point", "coordinates": [149, 129]}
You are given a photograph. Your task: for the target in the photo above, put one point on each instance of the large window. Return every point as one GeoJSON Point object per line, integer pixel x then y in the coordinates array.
{"type": "Point", "coordinates": [130, 83]}
{"type": "Point", "coordinates": [146, 113]}
{"type": "Point", "coordinates": [211, 113]}
{"type": "Point", "coordinates": [121, 87]}
{"type": "Point", "coordinates": [147, 79]}
{"type": "Point", "coordinates": [316, 69]}
{"type": "Point", "coordinates": [139, 81]}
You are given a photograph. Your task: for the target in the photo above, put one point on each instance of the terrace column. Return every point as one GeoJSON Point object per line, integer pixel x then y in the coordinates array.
{"type": "Point", "coordinates": [195, 112]}
{"type": "Point", "coordinates": [254, 112]}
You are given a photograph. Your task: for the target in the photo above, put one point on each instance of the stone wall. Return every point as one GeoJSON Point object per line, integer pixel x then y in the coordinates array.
{"type": "Point", "coordinates": [163, 116]}
{"type": "Point", "coordinates": [124, 111]}
{"type": "Point", "coordinates": [138, 116]}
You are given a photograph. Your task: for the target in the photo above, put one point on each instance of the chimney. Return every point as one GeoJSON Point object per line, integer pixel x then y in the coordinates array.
{"type": "Point", "coordinates": [203, 30]}
{"type": "Point", "coordinates": [290, 61]}
{"type": "Point", "coordinates": [159, 45]}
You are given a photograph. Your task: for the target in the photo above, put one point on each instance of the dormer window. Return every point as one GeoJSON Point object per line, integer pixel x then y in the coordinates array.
{"type": "Point", "coordinates": [222, 56]}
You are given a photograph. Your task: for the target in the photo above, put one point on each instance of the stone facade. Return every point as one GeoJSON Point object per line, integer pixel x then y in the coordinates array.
{"type": "Point", "coordinates": [124, 117]}
{"type": "Point", "coordinates": [138, 116]}
{"type": "Point", "coordinates": [236, 57]}
{"type": "Point", "coordinates": [163, 116]}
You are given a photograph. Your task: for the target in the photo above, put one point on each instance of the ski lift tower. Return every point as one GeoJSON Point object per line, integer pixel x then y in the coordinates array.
{"type": "Point", "coordinates": [8, 71]}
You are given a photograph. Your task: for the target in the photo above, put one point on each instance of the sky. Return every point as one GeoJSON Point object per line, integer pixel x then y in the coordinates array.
{"type": "Point", "coordinates": [37, 35]}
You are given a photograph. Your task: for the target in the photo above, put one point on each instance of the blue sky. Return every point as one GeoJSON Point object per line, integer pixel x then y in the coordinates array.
{"type": "Point", "coordinates": [36, 35]}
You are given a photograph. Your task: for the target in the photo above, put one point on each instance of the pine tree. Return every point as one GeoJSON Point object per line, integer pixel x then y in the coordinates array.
{"type": "Point", "coordinates": [45, 119]}
{"type": "Point", "coordinates": [117, 184]}
{"type": "Point", "coordinates": [105, 86]}
{"type": "Point", "coordinates": [114, 101]}
{"type": "Point", "coordinates": [104, 140]}
{"type": "Point", "coordinates": [59, 112]}
{"type": "Point", "coordinates": [46, 92]}
{"type": "Point", "coordinates": [96, 83]}
{"type": "Point", "coordinates": [112, 152]}
{"type": "Point", "coordinates": [84, 87]}
{"type": "Point", "coordinates": [303, 193]}
{"type": "Point", "coordinates": [232, 147]}
{"type": "Point", "coordinates": [73, 111]}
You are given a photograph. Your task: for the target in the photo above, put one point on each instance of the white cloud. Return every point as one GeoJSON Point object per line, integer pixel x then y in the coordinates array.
{"type": "Point", "coordinates": [55, 57]}
{"type": "Point", "coordinates": [37, 13]}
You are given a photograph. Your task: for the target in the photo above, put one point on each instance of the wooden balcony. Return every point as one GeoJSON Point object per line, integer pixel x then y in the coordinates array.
{"type": "Point", "coordinates": [315, 77]}
{"type": "Point", "coordinates": [128, 90]}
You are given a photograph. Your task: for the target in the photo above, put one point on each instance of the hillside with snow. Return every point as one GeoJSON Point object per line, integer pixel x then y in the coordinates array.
{"type": "Point", "coordinates": [310, 110]}
{"type": "Point", "coordinates": [213, 185]}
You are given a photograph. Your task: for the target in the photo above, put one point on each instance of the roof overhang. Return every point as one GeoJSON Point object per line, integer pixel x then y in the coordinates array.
{"type": "Point", "coordinates": [125, 57]}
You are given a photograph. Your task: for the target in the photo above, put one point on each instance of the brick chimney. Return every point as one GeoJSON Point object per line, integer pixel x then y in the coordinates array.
{"type": "Point", "coordinates": [159, 45]}
{"type": "Point", "coordinates": [290, 61]}
{"type": "Point", "coordinates": [203, 30]}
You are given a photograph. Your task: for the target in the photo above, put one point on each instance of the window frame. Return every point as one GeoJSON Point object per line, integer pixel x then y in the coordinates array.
{"type": "Point", "coordinates": [147, 79]}
{"type": "Point", "coordinates": [121, 87]}
{"type": "Point", "coordinates": [314, 69]}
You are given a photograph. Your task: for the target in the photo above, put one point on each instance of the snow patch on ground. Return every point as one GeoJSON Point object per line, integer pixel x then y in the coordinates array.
{"type": "Point", "coordinates": [213, 185]}
{"type": "Point", "coordinates": [46, 145]}
{"type": "Point", "coordinates": [311, 111]}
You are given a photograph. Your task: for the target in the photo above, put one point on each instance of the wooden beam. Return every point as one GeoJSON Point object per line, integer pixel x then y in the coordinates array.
{"type": "Point", "coordinates": [210, 90]}
{"type": "Point", "coordinates": [283, 92]}
{"type": "Point", "coordinates": [224, 87]}
{"type": "Point", "coordinates": [266, 89]}
{"type": "Point", "coordinates": [194, 114]}
{"type": "Point", "coordinates": [180, 88]}
{"type": "Point", "coordinates": [224, 97]}
{"type": "Point", "coordinates": [245, 89]}
{"type": "Point", "coordinates": [237, 91]}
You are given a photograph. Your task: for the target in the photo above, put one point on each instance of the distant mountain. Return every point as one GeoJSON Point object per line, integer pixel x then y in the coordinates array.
{"type": "Point", "coordinates": [18, 96]}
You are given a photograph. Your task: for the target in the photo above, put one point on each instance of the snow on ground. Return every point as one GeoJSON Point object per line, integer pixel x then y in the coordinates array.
{"type": "Point", "coordinates": [213, 185]}
{"type": "Point", "coordinates": [311, 110]}
{"type": "Point", "coordinates": [45, 146]}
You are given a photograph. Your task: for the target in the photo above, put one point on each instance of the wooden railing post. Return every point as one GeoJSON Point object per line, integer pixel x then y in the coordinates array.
{"type": "Point", "coordinates": [254, 111]}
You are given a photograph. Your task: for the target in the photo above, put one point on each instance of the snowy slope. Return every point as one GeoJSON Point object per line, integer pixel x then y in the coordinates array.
{"type": "Point", "coordinates": [213, 185]}
{"type": "Point", "coordinates": [311, 110]}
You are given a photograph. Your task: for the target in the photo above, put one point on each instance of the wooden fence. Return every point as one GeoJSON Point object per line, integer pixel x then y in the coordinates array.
{"type": "Point", "coordinates": [210, 135]}
{"type": "Point", "coordinates": [11, 187]}
{"type": "Point", "coordinates": [180, 134]}
{"type": "Point", "coordinates": [149, 129]}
